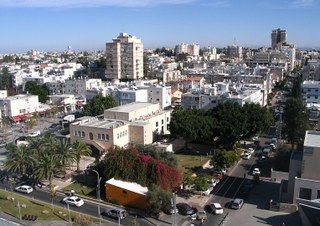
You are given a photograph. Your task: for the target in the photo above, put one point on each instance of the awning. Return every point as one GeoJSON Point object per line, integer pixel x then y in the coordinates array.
{"type": "Point", "coordinates": [22, 117]}
{"type": "Point", "coordinates": [15, 119]}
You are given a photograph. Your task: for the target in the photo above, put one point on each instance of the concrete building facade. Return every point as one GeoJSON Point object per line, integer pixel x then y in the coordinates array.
{"type": "Point", "coordinates": [124, 58]}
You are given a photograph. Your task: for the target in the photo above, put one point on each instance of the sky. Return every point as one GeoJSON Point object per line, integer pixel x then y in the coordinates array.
{"type": "Point", "coordinates": [86, 25]}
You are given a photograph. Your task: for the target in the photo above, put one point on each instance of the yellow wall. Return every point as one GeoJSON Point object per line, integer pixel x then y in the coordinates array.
{"type": "Point", "coordinates": [125, 197]}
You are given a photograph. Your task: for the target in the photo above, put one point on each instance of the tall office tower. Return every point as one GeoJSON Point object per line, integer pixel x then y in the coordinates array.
{"type": "Point", "coordinates": [124, 58]}
{"type": "Point", "coordinates": [278, 37]}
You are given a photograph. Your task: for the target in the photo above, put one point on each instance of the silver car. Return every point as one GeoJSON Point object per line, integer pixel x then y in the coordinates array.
{"type": "Point", "coordinates": [24, 189]}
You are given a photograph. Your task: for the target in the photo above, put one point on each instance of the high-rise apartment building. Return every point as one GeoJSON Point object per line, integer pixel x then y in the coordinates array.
{"type": "Point", "coordinates": [191, 49]}
{"type": "Point", "coordinates": [124, 58]}
{"type": "Point", "coordinates": [278, 36]}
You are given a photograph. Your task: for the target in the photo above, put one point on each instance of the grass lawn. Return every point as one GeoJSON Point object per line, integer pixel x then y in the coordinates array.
{"type": "Point", "coordinates": [188, 162]}
{"type": "Point", "coordinates": [81, 189]}
{"type": "Point", "coordinates": [29, 206]}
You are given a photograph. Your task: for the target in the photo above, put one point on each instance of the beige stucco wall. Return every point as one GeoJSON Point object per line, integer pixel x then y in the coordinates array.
{"type": "Point", "coordinates": [141, 133]}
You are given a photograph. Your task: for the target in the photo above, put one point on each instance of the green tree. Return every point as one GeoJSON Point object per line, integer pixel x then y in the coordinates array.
{"type": "Point", "coordinates": [295, 118]}
{"type": "Point", "coordinates": [79, 148]}
{"type": "Point", "coordinates": [65, 154]}
{"type": "Point", "coordinates": [19, 159]}
{"type": "Point", "coordinates": [159, 200]}
{"type": "Point", "coordinates": [182, 57]}
{"type": "Point", "coordinates": [98, 104]}
{"type": "Point", "coordinates": [5, 79]}
{"type": "Point", "coordinates": [201, 183]}
{"type": "Point", "coordinates": [224, 158]}
{"type": "Point", "coordinates": [40, 90]}
{"type": "Point", "coordinates": [45, 167]}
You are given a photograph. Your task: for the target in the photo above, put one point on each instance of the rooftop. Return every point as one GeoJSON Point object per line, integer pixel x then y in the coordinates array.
{"type": "Point", "coordinates": [130, 107]}
{"type": "Point", "coordinates": [312, 138]}
{"type": "Point", "coordinates": [131, 186]}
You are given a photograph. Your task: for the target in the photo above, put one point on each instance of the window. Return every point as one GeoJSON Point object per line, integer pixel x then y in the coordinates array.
{"type": "Point", "coordinates": [157, 124]}
{"type": "Point", "coordinates": [75, 133]}
{"type": "Point", "coordinates": [118, 135]}
{"type": "Point", "coordinates": [305, 193]}
{"type": "Point", "coordinates": [103, 136]}
{"type": "Point", "coordinates": [162, 121]}
{"type": "Point", "coordinates": [107, 137]}
{"type": "Point", "coordinates": [99, 136]}
{"type": "Point", "coordinates": [318, 194]}
{"type": "Point", "coordinates": [83, 133]}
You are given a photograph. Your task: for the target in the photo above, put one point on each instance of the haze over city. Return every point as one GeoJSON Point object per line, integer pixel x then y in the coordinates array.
{"type": "Point", "coordinates": [52, 25]}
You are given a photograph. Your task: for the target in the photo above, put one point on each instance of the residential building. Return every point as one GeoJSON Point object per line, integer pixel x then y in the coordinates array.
{"type": "Point", "coordinates": [66, 102]}
{"type": "Point", "coordinates": [278, 37]}
{"type": "Point", "coordinates": [18, 107]}
{"type": "Point", "coordinates": [124, 58]}
{"type": "Point", "coordinates": [235, 51]}
{"type": "Point", "coordinates": [307, 180]}
{"type": "Point", "coordinates": [311, 92]}
{"type": "Point", "coordinates": [160, 94]}
{"type": "Point", "coordinates": [77, 87]}
{"type": "Point", "coordinates": [191, 49]}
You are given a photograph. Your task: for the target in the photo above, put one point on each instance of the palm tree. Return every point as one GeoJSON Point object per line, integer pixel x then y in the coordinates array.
{"type": "Point", "coordinates": [50, 143]}
{"type": "Point", "coordinates": [65, 154]}
{"type": "Point", "coordinates": [80, 148]}
{"type": "Point", "coordinates": [19, 159]}
{"type": "Point", "coordinates": [36, 145]}
{"type": "Point", "coordinates": [45, 167]}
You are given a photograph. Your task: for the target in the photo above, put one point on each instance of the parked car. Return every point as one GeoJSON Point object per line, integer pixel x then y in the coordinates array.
{"type": "Point", "coordinates": [185, 209]}
{"type": "Point", "coordinates": [34, 133]}
{"type": "Point", "coordinates": [115, 213]}
{"type": "Point", "coordinates": [202, 215]}
{"type": "Point", "coordinates": [73, 200]}
{"type": "Point", "coordinates": [262, 159]}
{"type": "Point", "coordinates": [256, 171]}
{"type": "Point", "coordinates": [216, 208]}
{"type": "Point", "coordinates": [237, 203]}
{"type": "Point", "coordinates": [24, 189]}
{"type": "Point", "coordinates": [250, 150]}
{"type": "Point", "coordinates": [246, 156]}
{"type": "Point", "coordinates": [273, 146]}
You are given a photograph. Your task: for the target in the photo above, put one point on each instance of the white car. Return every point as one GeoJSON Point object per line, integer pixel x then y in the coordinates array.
{"type": "Point", "coordinates": [216, 208]}
{"type": "Point", "coordinates": [24, 189]}
{"type": "Point", "coordinates": [250, 150]}
{"type": "Point", "coordinates": [256, 171]}
{"type": "Point", "coordinates": [73, 200]}
{"type": "Point", "coordinates": [34, 133]}
{"type": "Point", "coordinates": [246, 156]}
{"type": "Point", "coordinates": [237, 203]}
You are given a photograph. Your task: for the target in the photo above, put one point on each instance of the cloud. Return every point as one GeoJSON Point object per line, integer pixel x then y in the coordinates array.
{"type": "Point", "coordinates": [302, 3]}
{"type": "Point", "coordinates": [217, 4]}
{"type": "Point", "coordinates": [90, 3]}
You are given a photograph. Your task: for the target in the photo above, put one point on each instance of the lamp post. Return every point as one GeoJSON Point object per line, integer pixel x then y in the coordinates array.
{"type": "Point", "coordinates": [98, 183]}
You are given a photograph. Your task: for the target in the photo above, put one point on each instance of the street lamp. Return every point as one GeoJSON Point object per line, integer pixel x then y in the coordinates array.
{"type": "Point", "coordinates": [98, 183]}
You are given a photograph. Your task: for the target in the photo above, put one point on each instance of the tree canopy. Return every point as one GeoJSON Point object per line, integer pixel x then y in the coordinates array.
{"type": "Point", "coordinates": [40, 90]}
{"type": "Point", "coordinates": [98, 104]}
{"type": "Point", "coordinates": [127, 164]}
{"type": "Point", "coordinates": [228, 123]}
{"type": "Point", "coordinates": [295, 118]}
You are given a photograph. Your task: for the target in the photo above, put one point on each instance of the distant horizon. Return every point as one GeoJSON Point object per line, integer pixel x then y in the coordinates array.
{"type": "Point", "coordinates": [86, 25]}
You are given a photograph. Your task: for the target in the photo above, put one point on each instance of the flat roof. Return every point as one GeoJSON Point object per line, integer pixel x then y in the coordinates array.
{"type": "Point", "coordinates": [100, 123]}
{"type": "Point", "coordinates": [131, 186]}
{"type": "Point", "coordinates": [312, 138]}
{"type": "Point", "coordinates": [130, 107]}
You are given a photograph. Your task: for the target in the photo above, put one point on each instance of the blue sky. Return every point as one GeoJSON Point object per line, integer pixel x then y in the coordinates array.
{"type": "Point", "coordinates": [52, 25]}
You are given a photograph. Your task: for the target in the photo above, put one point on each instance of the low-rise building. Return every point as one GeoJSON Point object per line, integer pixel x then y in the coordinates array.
{"type": "Point", "coordinates": [132, 123]}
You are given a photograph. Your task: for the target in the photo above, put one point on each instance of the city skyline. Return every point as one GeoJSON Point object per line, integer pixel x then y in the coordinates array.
{"type": "Point", "coordinates": [53, 25]}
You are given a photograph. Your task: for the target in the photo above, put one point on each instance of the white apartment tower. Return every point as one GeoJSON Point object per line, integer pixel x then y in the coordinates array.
{"type": "Point", "coordinates": [124, 58]}
{"type": "Point", "coordinates": [191, 49]}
